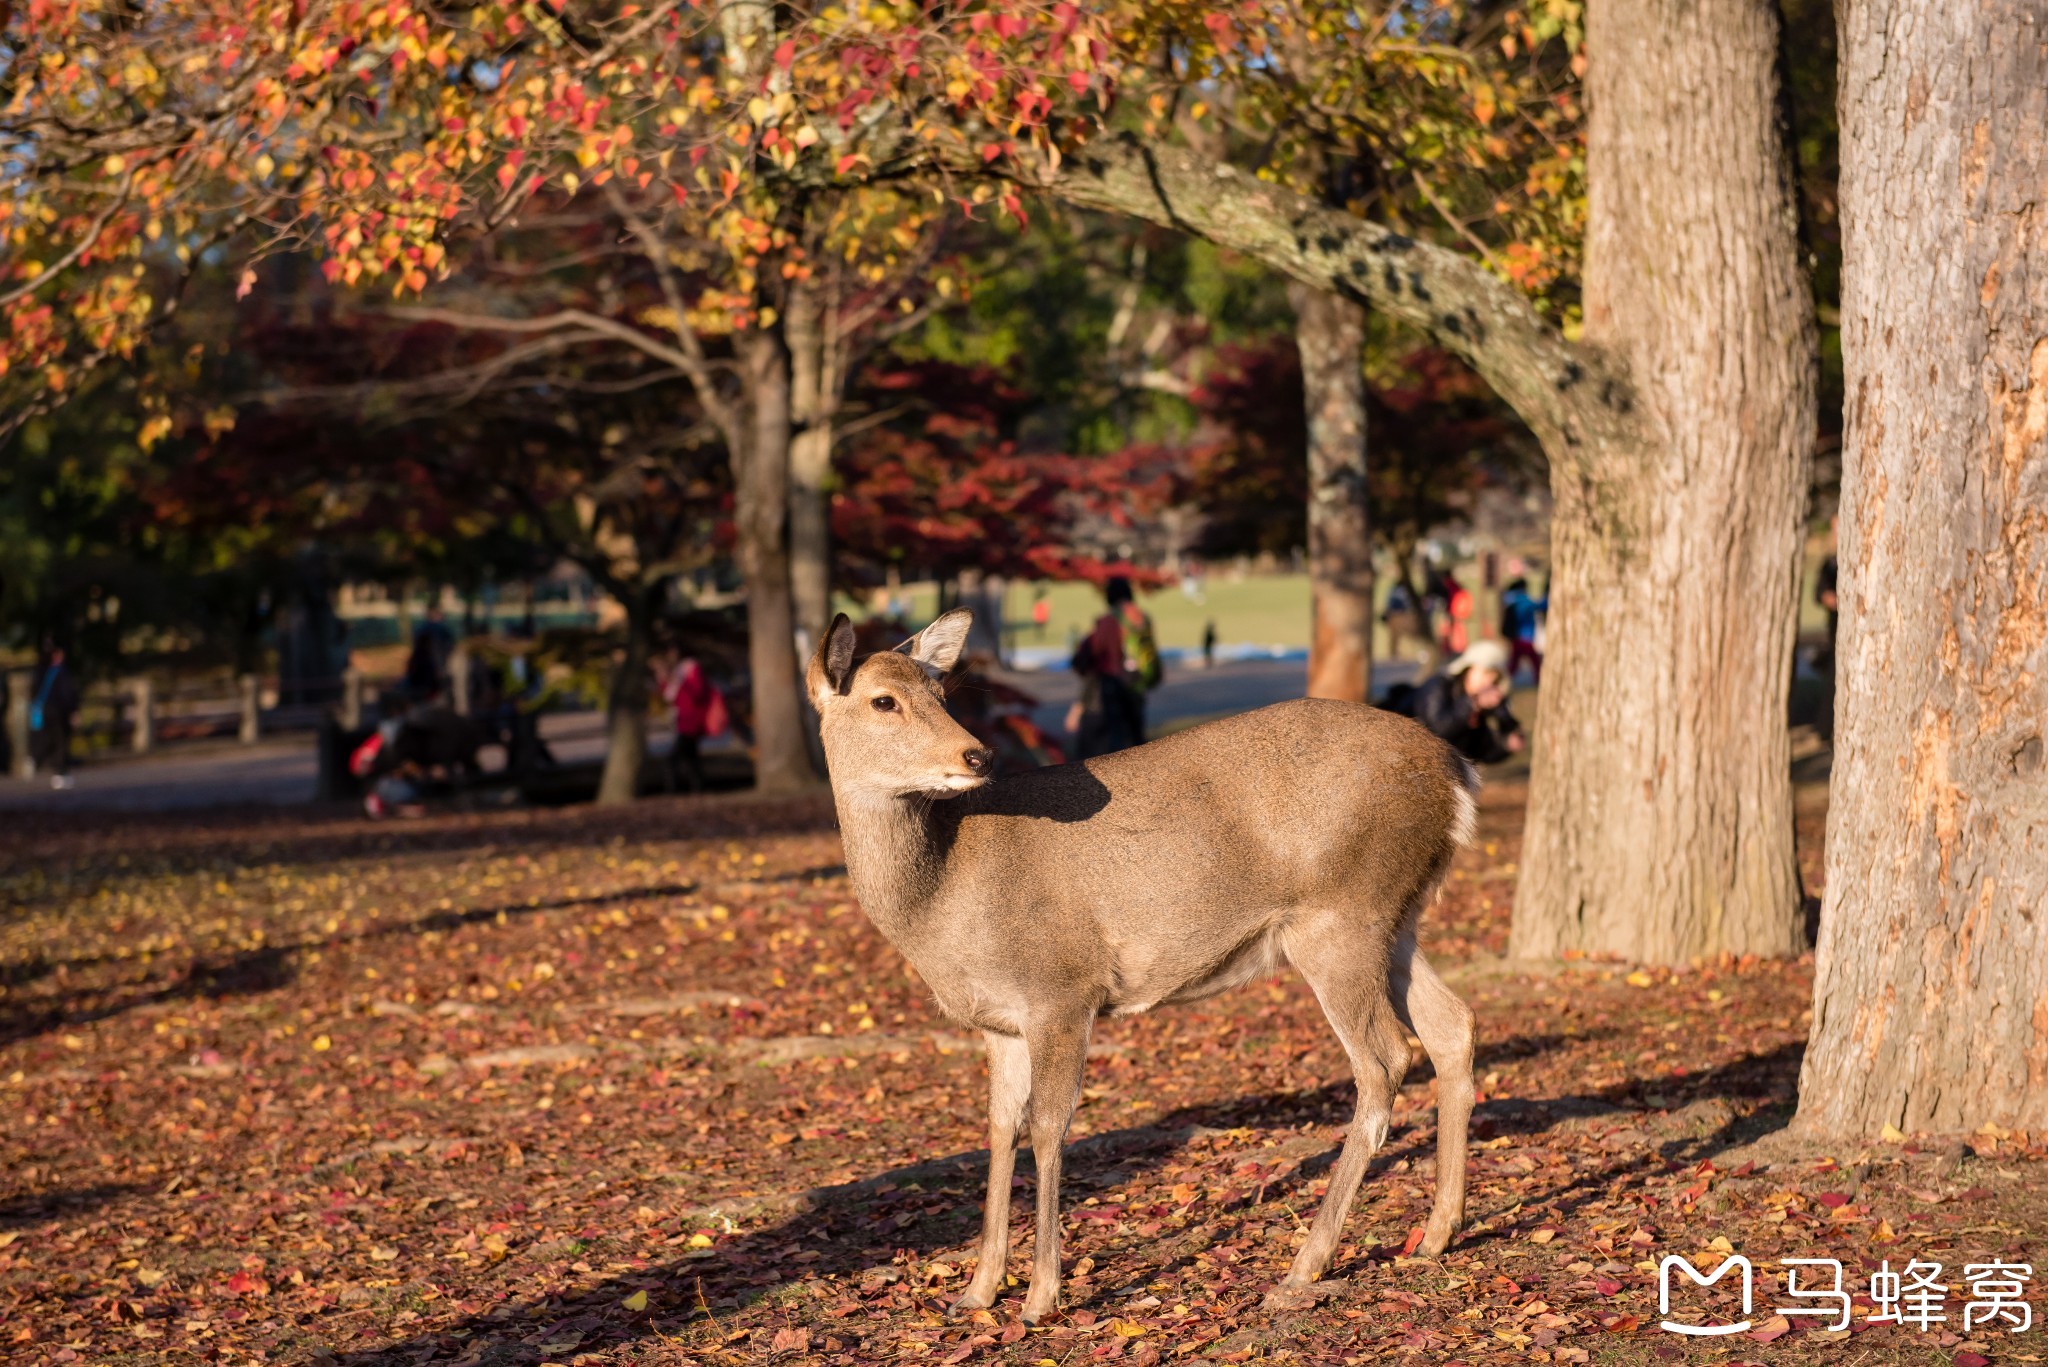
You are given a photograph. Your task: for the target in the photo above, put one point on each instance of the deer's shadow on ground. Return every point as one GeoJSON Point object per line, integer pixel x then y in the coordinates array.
{"type": "Point", "coordinates": [872, 1227]}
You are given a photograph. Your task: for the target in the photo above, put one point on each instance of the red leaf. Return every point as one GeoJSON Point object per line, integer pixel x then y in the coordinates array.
{"type": "Point", "coordinates": [1832, 1199]}
{"type": "Point", "coordinates": [1772, 1329]}
{"type": "Point", "coordinates": [1972, 1360]}
{"type": "Point", "coordinates": [242, 1284]}
{"type": "Point", "coordinates": [1606, 1286]}
{"type": "Point", "coordinates": [990, 151]}
{"type": "Point", "coordinates": [785, 53]}
{"type": "Point", "coordinates": [1414, 1242]}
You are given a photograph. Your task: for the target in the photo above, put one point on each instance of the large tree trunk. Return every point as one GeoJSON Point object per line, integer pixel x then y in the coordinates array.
{"type": "Point", "coordinates": [1329, 331]}
{"type": "Point", "coordinates": [814, 397]}
{"type": "Point", "coordinates": [781, 760]}
{"type": "Point", "coordinates": [626, 714]}
{"type": "Point", "coordinates": [1931, 999]}
{"type": "Point", "coordinates": [1679, 437]}
{"type": "Point", "coordinates": [1660, 814]}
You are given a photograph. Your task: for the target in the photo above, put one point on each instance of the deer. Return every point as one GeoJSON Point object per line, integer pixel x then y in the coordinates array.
{"type": "Point", "coordinates": [1311, 833]}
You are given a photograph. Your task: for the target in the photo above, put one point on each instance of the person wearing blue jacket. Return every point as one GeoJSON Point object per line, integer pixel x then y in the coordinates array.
{"type": "Point", "coordinates": [1520, 613]}
{"type": "Point", "coordinates": [52, 702]}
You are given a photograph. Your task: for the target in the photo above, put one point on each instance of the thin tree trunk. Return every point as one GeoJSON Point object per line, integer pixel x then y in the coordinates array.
{"type": "Point", "coordinates": [1931, 995]}
{"type": "Point", "coordinates": [1330, 333]}
{"type": "Point", "coordinates": [814, 386]}
{"type": "Point", "coordinates": [626, 714]}
{"type": "Point", "coordinates": [1660, 815]}
{"type": "Point", "coordinates": [781, 761]}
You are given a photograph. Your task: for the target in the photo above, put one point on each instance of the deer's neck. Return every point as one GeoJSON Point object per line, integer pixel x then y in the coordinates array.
{"type": "Point", "coordinates": [893, 856]}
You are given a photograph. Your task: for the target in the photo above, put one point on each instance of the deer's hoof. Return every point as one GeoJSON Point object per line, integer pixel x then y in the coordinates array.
{"type": "Point", "coordinates": [970, 1302]}
{"type": "Point", "coordinates": [1294, 1295]}
{"type": "Point", "coordinates": [1433, 1245]}
{"type": "Point", "coordinates": [1033, 1313]}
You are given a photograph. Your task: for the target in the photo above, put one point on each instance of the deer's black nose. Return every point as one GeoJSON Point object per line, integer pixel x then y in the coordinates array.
{"type": "Point", "coordinates": [979, 760]}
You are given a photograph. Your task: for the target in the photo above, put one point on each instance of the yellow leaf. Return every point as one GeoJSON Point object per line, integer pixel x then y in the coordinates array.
{"type": "Point", "coordinates": [1640, 979]}
{"type": "Point", "coordinates": [1542, 1236]}
{"type": "Point", "coordinates": [1128, 1329]}
{"type": "Point", "coordinates": [321, 1044]}
{"type": "Point", "coordinates": [637, 1301]}
{"type": "Point", "coordinates": [1891, 1134]}
{"type": "Point", "coordinates": [700, 1241]}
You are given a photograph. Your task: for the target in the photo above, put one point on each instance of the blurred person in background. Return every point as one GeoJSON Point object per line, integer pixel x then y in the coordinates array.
{"type": "Point", "coordinates": [52, 703]}
{"type": "Point", "coordinates": [699, 712]}
{"type": "Point", "coordinates": [426, 668]}
{"type": "Point", "coordinates": [1466, 705]}
{"type": "Point", "coordinates": [1521, 613]}
{"type": "Point", "coordinates": [1118, 661]}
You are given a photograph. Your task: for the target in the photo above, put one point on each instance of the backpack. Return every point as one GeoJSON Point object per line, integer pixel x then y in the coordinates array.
{"type": "Point", "coordinates": [1141, 653]}
{"type": "Point", "coordinates": [35, 707]}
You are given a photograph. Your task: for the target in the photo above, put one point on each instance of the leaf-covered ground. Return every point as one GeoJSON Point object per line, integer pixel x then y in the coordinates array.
{"type": "Point", "coordinates": [581, 1087]}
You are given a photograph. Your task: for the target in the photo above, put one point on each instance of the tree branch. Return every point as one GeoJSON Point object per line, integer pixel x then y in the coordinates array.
{"type": "Point", "coordinates": [655, 250]}
{"type": "Point", "coordinates": [1568, 394]}
{"type": "Point", "coordinates": [80, 248]}
{"type": "Point", "coordinates": [697, 368]}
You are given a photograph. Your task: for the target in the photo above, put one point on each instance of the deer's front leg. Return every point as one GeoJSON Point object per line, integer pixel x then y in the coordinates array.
{"type": "Point", "coordinates": [1059, 1051]}
{"type": "Point", "coordinates": [1009, 1091]}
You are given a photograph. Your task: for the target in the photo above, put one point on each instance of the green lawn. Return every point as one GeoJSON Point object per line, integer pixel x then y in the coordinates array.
{"type": "Point", "coordinates": [1262, 610]}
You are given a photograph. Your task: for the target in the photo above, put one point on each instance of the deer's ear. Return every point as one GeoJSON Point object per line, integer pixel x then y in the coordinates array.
{"type": "Point", "coordinates": [832, 664]}
{"type": "Point", "coordinates": [940, 644]}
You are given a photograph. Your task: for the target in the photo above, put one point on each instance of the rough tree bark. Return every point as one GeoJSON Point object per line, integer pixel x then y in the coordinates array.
{"type": "Point", "coordinates": [1660, 815]}
{"type": "Point", "coordinates": [1931, 997]}
{"type": "Point", "coordinates": [1678, 434]}
{"type": "Point", "coordinates": [814, 394]}
{"type": "Point", "coordinates": [1329, 331]}
{"type": "Point", "coordinates": [760, 505]}
{"type": "Point", "coordinates": [626, 707]}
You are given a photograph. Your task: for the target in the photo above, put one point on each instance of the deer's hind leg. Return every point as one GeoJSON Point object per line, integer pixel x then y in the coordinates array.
{"type": "Point", "coordinates": [1444, 1025]}
{"type": "Point", "coordinates": [1349, 975]}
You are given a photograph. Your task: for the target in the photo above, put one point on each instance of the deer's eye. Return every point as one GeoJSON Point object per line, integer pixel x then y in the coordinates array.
{"type": "Point", "coordinates": [884, 703]}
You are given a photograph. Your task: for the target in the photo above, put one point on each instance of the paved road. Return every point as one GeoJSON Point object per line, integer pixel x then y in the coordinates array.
{"type": "Point", "coordinates": [277, 772]}
{"type": "Point", "coordinates": [282, 771]}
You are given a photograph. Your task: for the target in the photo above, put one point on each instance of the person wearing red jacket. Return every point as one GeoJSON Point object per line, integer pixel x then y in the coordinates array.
{"type": "Point", "coordinates": [699, 712]}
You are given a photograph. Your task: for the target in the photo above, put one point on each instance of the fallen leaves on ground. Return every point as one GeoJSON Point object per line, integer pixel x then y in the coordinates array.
{"type": "Point", "coordinates": [592, 1087]}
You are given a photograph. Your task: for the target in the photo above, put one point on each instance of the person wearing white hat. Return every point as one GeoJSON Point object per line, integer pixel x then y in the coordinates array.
{"type": "Point", "coordinates": [1466, 705]}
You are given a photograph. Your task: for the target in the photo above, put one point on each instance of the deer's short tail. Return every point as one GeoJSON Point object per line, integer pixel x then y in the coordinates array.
{"type": "Point", "coordinates": [1465, 821]}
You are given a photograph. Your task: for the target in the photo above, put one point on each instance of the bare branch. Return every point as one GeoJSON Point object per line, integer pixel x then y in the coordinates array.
{"type": "Point", "coordinates": [1457, 224]}
{"type": "Point", "coordinates": [696, 366]}
{"type": "Point", "coordinates": [84, 245]}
